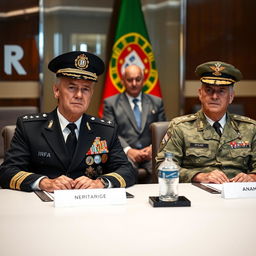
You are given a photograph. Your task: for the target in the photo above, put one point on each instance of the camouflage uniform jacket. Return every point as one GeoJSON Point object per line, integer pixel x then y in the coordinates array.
{"type": "Point", "coordinates": [196, 146]}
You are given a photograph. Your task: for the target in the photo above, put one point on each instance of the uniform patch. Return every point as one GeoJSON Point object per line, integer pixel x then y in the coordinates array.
{"type": "Point", "coordinates": [99, 170]}
{"type": "Point", "coordinates": [44, 154]}
{"type": "Point", "coordinates": [98, 147]}
{"type": "Point", "coordinates": [199, 145]}
{"type": "Point", "coordinates": [240, 144]}
{"type": "Point", "coordinates": [165, 138]}
{"type": "Point", "coordinates": [104, 158]}
{"type": "Point", "coordinates": [89, 160]}
{"type": "Point", "coordinates": [90, 172]}
{"type": "Point", "coordinates": [97, 159]}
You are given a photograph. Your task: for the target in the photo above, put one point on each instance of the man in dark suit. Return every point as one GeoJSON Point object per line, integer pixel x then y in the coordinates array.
{"type": "Point", "coordinates": [133, 112]}
{"type": "Point", "coordinates": [67, 149]}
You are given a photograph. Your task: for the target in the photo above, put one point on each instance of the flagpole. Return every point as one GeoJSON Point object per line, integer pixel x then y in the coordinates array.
{"type": "Point", "coordinates": [183, 13]}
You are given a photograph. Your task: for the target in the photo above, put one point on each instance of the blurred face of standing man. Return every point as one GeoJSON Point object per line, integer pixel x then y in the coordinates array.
{"type": "Point", "coordinates": [133, 80]}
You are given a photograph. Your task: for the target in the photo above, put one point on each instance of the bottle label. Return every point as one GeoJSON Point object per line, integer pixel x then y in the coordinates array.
{"type": "Point", "coordinates": [168, 174]}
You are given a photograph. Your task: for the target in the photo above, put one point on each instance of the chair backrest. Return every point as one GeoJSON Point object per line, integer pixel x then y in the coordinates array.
{"type": "Point", "coordinates": [8, 116]}
{"type": "Point", "coordinates": [7, 133]}
{"type": "Point", "coordinates": [158, 130]}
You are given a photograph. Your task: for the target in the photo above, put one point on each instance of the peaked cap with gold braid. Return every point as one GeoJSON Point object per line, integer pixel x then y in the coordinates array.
{"type": "Point", "coordinates": [77, 65]}
{"type": "Point", "coordinates": [218, 73]}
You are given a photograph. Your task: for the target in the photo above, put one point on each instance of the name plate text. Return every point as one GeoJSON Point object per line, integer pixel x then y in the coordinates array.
{"type": "Point", "coordinates": [239, 190]}
{"type": "Point", "coordinates": [83, 197]}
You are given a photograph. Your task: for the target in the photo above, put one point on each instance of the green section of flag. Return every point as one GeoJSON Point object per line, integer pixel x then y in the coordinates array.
{"type": "Point", "coordinates": [131, 19]}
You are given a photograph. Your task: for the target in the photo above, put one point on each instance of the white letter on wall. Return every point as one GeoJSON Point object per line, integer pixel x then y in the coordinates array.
{"type": "Point", "coordinates": [12, 55]}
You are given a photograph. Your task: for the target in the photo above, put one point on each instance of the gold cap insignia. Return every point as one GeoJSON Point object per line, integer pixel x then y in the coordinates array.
{"type": "Point", "coordinates": [217, 69]}
{"type": "Point", "coordinates": [81, 61]}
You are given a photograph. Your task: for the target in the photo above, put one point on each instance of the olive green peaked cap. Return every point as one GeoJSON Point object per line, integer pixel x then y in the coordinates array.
{"type": "Point", "coordinates": [218, 73]}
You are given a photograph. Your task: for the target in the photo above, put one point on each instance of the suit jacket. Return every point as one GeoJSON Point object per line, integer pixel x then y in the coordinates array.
{"type": "Point", "coordinates": [38, 148]}
{"type": "Point", "coordinates": [118, 109]}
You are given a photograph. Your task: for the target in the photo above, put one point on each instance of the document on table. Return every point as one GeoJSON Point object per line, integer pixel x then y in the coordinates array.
{"type": "Point", "coordinates": [216, 187]}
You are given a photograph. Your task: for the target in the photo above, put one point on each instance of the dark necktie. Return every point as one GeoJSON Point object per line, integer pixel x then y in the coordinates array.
{"type": "Point", "coordinates": [71, 139]}
{"type": "Point", "coordinates": [137, 113]}
{"type": "Point", "coordinates": [217, 126]}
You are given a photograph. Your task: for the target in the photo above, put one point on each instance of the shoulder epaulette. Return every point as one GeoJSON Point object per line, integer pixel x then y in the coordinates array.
{"type": "Point", "coordinates": [34, 117]}
{"type": "Point", "coordinates": [186, 118]}
{"type": "Point", "coordinates": [243, 119]}
{"type": "Point", "coordinates": [97, 120]}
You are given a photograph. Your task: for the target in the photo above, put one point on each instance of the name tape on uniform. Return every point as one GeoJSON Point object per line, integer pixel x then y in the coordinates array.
{"type": "Point", "coordinates": [239, 190]}
{"type": "Point", "coordinates": [83, 197]}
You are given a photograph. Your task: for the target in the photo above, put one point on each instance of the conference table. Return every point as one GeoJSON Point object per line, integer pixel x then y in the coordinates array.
{"type": "Point", "coordinates": [211, 226]}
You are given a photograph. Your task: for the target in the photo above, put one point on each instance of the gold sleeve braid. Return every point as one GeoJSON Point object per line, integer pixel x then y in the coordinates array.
{"type": "Point", "coordinates": [18, 179]}
{"type": "Point", "coordinates": [119, 178]}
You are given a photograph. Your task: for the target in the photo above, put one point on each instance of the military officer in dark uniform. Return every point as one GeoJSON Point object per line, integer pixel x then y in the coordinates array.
{"type": "Point", "coordinates": [67, 149]}
{"type": "Point", "coordinates": [213, 145]}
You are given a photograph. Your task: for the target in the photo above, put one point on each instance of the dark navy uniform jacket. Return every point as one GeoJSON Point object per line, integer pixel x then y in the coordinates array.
{"type": "Point", "coordinates": [38, 149]}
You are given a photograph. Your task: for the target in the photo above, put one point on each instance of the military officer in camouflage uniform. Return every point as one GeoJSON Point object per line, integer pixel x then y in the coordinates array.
{"type": "Point", "coordinates": [213, 145]}
{"type": "Point", "coordinates": [67, 149]}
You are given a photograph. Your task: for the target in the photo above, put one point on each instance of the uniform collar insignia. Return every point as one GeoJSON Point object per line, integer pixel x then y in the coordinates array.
{"type": "Point", "coordinates": [50, 124]}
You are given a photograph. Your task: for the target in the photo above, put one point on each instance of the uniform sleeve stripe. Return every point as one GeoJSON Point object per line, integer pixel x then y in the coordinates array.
{"type": "Point", "coordinates": [119, 178]}
{"type": "Point", "coordinates": [18, 179]}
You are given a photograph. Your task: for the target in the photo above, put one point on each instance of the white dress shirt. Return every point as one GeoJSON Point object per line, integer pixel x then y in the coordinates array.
{"type": "Point", "coordinates": [222, 121]}
{"type": "Point", "coordinates": [139, 103]}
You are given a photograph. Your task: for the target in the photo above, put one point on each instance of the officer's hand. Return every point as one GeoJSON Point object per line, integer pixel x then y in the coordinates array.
{"type": "Point", "coordinates": [243, 177]}
{"type": "Point", "coordinates": [62, 182]}
{"type": "Point", "coordinates": [215, 176]}
{"type": "Point", "coordinates": [85, 182]}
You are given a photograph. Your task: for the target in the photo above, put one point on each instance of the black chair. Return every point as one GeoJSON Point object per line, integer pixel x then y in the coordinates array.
{"type": "Point", "coordinates": [158, 130]}
{"type": "Point", "coordinates": [8, 116]}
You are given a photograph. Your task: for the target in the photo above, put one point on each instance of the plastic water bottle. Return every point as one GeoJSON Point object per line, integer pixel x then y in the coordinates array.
{"type": "Point", "coordinates": [168, 178]}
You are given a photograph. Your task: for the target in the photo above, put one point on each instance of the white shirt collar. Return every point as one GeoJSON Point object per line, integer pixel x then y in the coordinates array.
{"type": "Point", "coordinates": [64, 122]}
{"type": "Point", "coordinates": [130, 98]}
{"type": "Point", "coordinates": [222, 121]}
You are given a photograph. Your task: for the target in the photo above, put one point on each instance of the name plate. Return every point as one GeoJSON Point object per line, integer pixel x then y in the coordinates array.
{"type": "Point", "coordinates": [239, 190]}
{"type": "Point", "coordinates": [83, 197]}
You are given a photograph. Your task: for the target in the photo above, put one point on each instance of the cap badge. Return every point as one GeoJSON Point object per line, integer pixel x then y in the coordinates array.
{"type": "Point", "coordinates": [81, 61]}
{"type": "Point", "coordinates": [217, 69]}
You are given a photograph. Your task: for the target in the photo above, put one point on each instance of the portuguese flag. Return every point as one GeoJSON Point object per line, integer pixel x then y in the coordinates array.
{"type": "Point", "coordinates": [132, 46]}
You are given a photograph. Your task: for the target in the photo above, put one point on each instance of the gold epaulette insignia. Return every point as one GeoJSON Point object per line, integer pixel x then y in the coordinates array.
{"type": "Point", "coordinates": [18, 179]}
{"type": "Point", "coordinates": [118, 177]}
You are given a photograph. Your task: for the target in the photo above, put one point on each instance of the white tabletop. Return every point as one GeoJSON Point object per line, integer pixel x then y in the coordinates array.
{"type": "Point", "coordinates": [211, 226]}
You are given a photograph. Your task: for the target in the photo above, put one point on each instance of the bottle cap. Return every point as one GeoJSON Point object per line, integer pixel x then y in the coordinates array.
{"type": "Point", "coordinates": [168, 154]}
